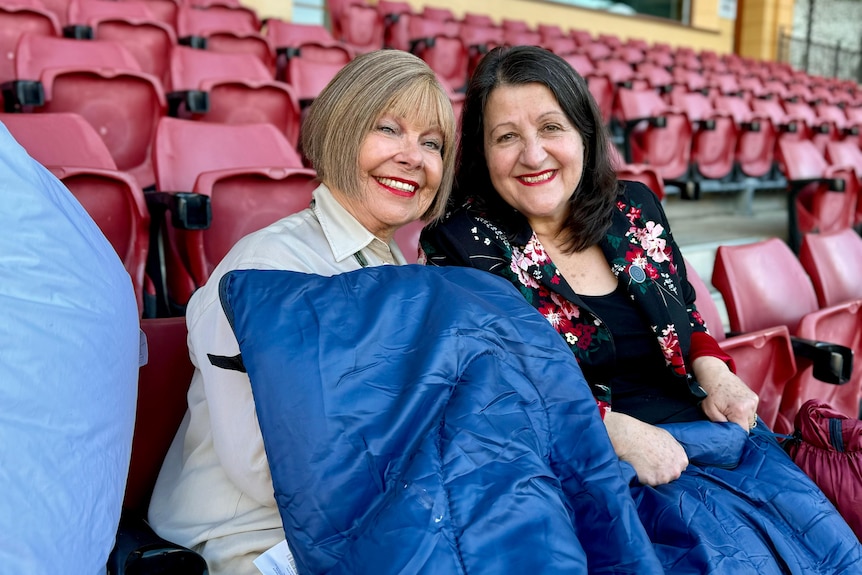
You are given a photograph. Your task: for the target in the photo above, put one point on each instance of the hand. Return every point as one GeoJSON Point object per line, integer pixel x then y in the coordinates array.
{"type": "Point", "coordinates": [728, 398]}
{"type": "Point", "coordinates": [657, 457]}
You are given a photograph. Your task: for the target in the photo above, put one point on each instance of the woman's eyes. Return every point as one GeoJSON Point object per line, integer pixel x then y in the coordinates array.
{"type": "Point", "coordinates": [386, 129]}
{"type": "Point", "coordinates": [434, 145]}
{"type": "Point", "coordinates": [552, 128]}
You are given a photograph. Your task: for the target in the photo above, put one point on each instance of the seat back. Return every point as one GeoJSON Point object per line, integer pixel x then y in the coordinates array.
{"type": "Point", "coordinates": [102, 81]}
{"type": "Point", "coordinates": [226, 30]}
{"type": "Point", "coordinates": [667, 148]}
{"type": "Point", "coordinates": [18, 17]}
{"type": "Point", "coordinates": [185, 149]}
{"type": "Point", "coordinates": [713, 148]}
{"type": "Point", "coordinates": [755, 148]}
{"type": "Point", "coordinates": [240, 87]}
{"type": "Point", "coordinates": [313, 69]}
{"type": "Point", "coordinates": [252, 176]}
{"type": "Point", "coordinates": [644, 174]}
{"type": "Point", "coordinates": [162, 386]}
{"type": "Point", "coordinates": [133, 24]}
{"type": "Point", "coordinates": [68, 146]}
{"type": "Point", "coordinates": [283, 34]}
{"type": "Point", "coordinates": [361, 27]}
{"type": "Point", "coordinates": [407, 238]}
{"type": "Point", "coordinates": [763, 359]}
{"type": "Point", "coordinates": [834, 263]}
{"type": "Point", "coordinates": [763, 285]}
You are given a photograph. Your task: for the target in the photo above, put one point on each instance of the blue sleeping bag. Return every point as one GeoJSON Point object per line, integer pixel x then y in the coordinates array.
{"type": "Point", "coordinates": [428, 420]}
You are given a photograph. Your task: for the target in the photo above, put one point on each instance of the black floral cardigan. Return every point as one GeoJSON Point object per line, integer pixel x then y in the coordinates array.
{"type": "Point", "coordinates": [642, 254]}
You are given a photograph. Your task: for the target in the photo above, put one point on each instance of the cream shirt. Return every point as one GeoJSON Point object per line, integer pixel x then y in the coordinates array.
{"type": "Point", "coordinates": [214, 493]}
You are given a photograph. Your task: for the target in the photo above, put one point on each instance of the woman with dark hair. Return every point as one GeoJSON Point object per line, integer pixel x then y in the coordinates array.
{"type": "Point", "coordinates": [536, 201]}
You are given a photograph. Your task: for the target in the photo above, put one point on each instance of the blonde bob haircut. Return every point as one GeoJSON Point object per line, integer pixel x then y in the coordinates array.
{"type": "Point", "coordinates": [382, 82]}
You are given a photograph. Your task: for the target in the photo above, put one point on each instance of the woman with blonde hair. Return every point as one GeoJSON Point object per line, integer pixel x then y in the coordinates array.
{"type": "Point", "coordinates": [381, 138]}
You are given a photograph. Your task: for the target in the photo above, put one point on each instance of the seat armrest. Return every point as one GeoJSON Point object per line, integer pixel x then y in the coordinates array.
{"type": "Point", "coordinates": [419, 44]}
{"type": "Point", "coordinates": [833, 363]}
{"type": "Point", "coordinates": [20, 93]}
{"type": "Point", "coordinates": [192, 101]}
{"type": "Point", "coordinates": [189, 211]}
{"type": "Point", "coordinates": [78, 32]}
{"type": "Point", "coordinates": [196, 42]}
{"type": "Point", "coordinates": [752, 126]}
{"type": "Point", "coordinates": [139, 550]}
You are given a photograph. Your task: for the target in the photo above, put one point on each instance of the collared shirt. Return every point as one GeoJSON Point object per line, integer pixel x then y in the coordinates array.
{"type": "Point", "coordinates": [214, 492]}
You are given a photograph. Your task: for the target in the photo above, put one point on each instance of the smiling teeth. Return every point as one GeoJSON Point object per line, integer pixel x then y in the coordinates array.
{"type": "Point", "coordinates": [404, 187]}
{"type": "Point", "coordinates": [536, 179]}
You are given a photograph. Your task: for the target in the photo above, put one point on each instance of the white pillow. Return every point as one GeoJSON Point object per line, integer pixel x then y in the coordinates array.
{"type": "Point", "coordinates": [69, 343]}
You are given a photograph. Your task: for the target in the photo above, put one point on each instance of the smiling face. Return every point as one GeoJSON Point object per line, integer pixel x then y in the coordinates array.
{"type": "Point", "coordinates": [535, 155]}
{"type": "Point", "coordinates": [400, 168]}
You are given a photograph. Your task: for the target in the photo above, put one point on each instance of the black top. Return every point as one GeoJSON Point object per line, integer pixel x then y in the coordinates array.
{"type": "Point", "coordinates": [637, 365]}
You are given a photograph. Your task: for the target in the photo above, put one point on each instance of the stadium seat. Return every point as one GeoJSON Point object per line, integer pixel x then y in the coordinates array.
{"type": "Point", "coordinates": [443, 50]}
{"type": "Point", "coordinates": [18, 17]}
{"type": "Point", "coordinates": [237, 88]}
{"type": "Point", "coordinates": [643, 174]}
{"type": "Point", "coordinates": [714, 137]}
{"type": "Point", "coordinates": [407, 238]}
{"type": "Point", "coordinates": [764, 358]}
{"type": "Point", "coordinates": [479, 40]}
{"type": "Point", "coordinates": [396, 24]}
{"type": "Point", "coordinates": [131, 23]}
{"type": "Point", "coordinates": [478, 20]}
{"type": "Point", "coordinates": [246, 176]}
{"type": "Point", "coordinates": [358, 25]}
{"type": "Point", "coordinates": [764, 285]}
{"type": "Point", "coordinates": [224, 30]}
{"type": "Point", "coordinates": [162, 386]}
{"type": "Point", "coordinates": [847, 153]}
{"type": "Point", "coordinates": [821, 197]}
{"type": "Point", "coordinates": [100, 80]}
{"type": "Point", "coordinates": [833, 261]}
{"type": "Point", "coordinates": [438, 14]}
{"type": "Point", "coordinates": [817, 129]}
{"type": "Point", "coordinates": [521, 37]}
{"type": "Point", "coordinates": [655, 133]}
{"type": "Point", "coordinates": [68, 145]}
{"type": "Point", "coordinates": [309, 69]}
{"type": "Point", "coordinates": [755, 147]}
{"type": "Point", "coordinates": [600, 85]}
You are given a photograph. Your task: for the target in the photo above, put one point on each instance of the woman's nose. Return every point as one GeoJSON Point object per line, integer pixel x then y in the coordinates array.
{"type": "Point", "coordinates": [533, 153]}
{"type": "Point", "coordinates": [410, 154]}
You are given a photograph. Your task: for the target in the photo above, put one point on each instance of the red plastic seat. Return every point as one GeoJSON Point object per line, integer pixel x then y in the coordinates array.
{"type": "Point", "coordinates": [162, 387]}
{"type": "Point", "coordinates": [643, 174]}
{"type": "Point", "coordinates": [224, 30]}
{"type": "Point", "coordinates": [478, 20]}
{"type": "Point", "coordinates": [251, 174]}
{"type": "Point", "coordinates": [396, 24]}
{"type": "Point", "coordinates": [163, 384]}
{"type": "Point", "coordinates": [518, 37]}
{"type": "Point", "coordinates": [847, 153]}
{"type": "Point", "coordinates": [310, 70]}
{"type": "Point", "coordinates": [360, 26]}
{"type": "Point", "coordinates": [443, 50]}
{"type": "Point", "coordinates": [18, 17]}
{"type": "Point", "coordinates": [239, 88]}
{"type": "Point", "coordinates": [69, 146]}
{"type": "Point", "coordinates": [833, 261]}
{"type": "Point", "coordinates": [103, 82]}
{"type": "Point", "coordinates": [407, 238]}
{"type": "Point", "coordinates": [656, 133]}
{"type": "Point", "coordinates": [713, 145]}
{"type": "Point", "coordinates": [757, 136]}
{"type": "Point", "coordinates": [599, 83]}
{"type": "Point", "coordinates": [438, 14]}
{"type": "Point", "coordinates": [818, 130]}
{"type": "Point", "coordinates": [764, 285]}
{"type": "Point", "coordinates": [131, 23]}
{"type": "Point", "coordinates": [764, 358]}
{"type": "Point", "coordinates": [822, 197]}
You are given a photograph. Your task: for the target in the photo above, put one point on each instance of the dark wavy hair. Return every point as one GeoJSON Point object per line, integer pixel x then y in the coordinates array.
{"type": "Point", "coordinates": [591, 204]}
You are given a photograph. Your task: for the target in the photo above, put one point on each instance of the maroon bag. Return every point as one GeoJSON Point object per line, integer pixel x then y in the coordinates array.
{"type": "Point", "coordinates": [827, 445]}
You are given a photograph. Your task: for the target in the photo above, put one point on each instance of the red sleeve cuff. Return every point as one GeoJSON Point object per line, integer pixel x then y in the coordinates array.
{"type": "Point", "coordinates": [704, 345]}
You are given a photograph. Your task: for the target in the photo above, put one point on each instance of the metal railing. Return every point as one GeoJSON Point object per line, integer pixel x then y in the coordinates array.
{"type": "Point", "coordinates": [820, 59]}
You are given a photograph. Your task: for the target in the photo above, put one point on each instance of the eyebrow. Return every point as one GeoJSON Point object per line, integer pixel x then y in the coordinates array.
{"type": "Point", "coordinates": [541, 117]}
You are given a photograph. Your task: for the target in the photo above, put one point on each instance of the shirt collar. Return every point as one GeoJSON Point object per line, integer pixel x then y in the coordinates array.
{"type": "Point", "coordinates": [343, 232]}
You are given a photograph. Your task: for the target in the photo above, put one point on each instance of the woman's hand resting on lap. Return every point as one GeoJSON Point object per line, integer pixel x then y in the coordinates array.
{"type": "Point", "coordinates": [728, 398]}
{"type": "Point", "coordinates": [657, 457]}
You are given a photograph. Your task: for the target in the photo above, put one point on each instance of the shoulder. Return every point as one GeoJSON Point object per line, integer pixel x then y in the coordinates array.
{"type": "Point", "coordinates": [636, 192]}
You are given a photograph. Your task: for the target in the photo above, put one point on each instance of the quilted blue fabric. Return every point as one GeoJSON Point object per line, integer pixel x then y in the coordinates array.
{"type": "Point", "coordinates": [428, 420]}
{"type": "Point", "coordinates": [422, 420]}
